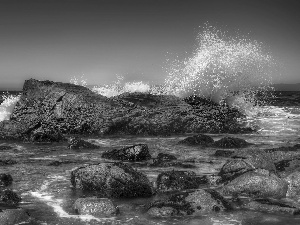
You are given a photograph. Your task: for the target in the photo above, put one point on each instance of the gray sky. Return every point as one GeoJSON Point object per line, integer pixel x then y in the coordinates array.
{"type": "Point", "coordinates": [59, 39]}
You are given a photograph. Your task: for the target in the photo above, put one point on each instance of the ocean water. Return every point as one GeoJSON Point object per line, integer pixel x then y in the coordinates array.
{"type": "Point", "coordinates": [48, 196]}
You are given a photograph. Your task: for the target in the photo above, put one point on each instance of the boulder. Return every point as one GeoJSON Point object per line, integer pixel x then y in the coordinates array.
{"type": "Point", "coordinates": [273, 206]}
{"type": "Point", "coordinates": [259, 184]}
{"type": "Point", "coordinates": [178, 180]}
{"type": "Point", "coordinates": [246, 160]}
{"type": "Point", "coordinates": [287, 166]}
{"type": "Point", "coordinates": [138, 152]}
{"type": "Point", "coordinates": [283, 153]}
{"type": "Point", "coordinates": [189, 203]}
{"type": "Point", "coordinates": [231, 142]}
{"type": "Point", "coordinates": [223, 153]}
{"type": "Point", "coordinates": [100, 207]}
{"type": "Point", "coordinates": [112, 180]}
{"type": "Point", "coordinates": [293, 184]}
{"type": "Point", "coordinates": [15, 216]}
{"type": "Point", "coordinates": [8, 197]}
{"type": "Point", "coordinates": [77, 143]}
{"type": "Point", "coordinates": [200, 139]}
{"type": "Point", "coordinates": [165, 157]}
{"type": "Point", "coordinates": [167, 160]}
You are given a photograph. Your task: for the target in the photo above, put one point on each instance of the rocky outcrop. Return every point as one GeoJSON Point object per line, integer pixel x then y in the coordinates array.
{"type": "Point", "coordinates": [189, 203]}
{"type": "Point", "coordinates": [100, 207]}
{"type": "Point", "coordinates": [77, 143]}
{"type": "Point", "coordinates": [138, 152]}
{"type": "Point", "coordinates": [112, 180]}
{"type": "Point", "coordinates": [200, 139]}
{"type": "Point", "coordinates": [47, 110]}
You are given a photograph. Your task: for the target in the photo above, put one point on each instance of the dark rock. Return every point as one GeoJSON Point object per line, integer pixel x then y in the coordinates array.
{"type": "Point", "coordinates": [189, 203]}
{"type": "Point", "coordinates": [223, 153]}
{"type": "Point", "coordinates": [55, 163]}
{"type": "Point", "coordinates": [46, 110]}
{"type": "Point", "coordinates": [179, 180]}
{"type": "Point", "coordinates": [257, 184]}
{"type": "Point", "coordinates": [6, 162]}
{"type": "Point", "coordinates": [157, 163]}
{"type": "Point", "coordinates": [5, 147]}
{"type": "Point", "coordinates": [283, 153]}
{"type": "Point", "coordinates": [9, 197]}
{"type": "Point", "coordinates": [272, 206]}
{"type": "Point", "coordinates": [138, 152]}
{"type": "Point", "coordinates": [112, 180]}
{"type": "Point", "coordinates": [244, 161]}
{"type": "Point", "coordinates": [231, 142]}
{"type": "Point", "coordinates": [200, 139]}
{"type": "Point", "coordinates": [77, 143]}
{"type": "Point", "coordinates": [5, 179]}
{"type": "Point", "coordinates": [165, 157]}
{"type": "Point", "coordinates": [15, 216]}
{"type": "Point", "coordinates": [287, 165]}
{"type": "Point", "coordinates": [101, 207]}
{"type": "Point", "coordinates": [294, 184]}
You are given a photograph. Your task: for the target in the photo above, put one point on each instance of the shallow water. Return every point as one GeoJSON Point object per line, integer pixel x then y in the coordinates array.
{"type": "Point", "coordinates": [48, 195]}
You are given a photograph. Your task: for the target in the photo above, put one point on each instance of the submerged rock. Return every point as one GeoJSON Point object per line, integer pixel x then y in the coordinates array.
{"type": "Point", "coordinates": [5, 179]}
{"type": "Point", "coordinates": [101, 207]}
{"type": "Point", "coordinates": [273, 206]}
{"type": "Point", "coordinates": [6, 162]}
{"type": "Point", "coordinates": [167, 160]}
{"type": "Point", "coordinates": [138, 152]}
{"type": "Point", "coordinates": [15, 216]}
{"type": "Point", "coordinates": [189, 203]}
{"type": "Point", "coordinates": [112, 180]}
{"type": "Point", "coordinates": [200, 139]}
{"type": "Point", "coordinates": [77, 143]}
{"type": "Point", "coordinates": [179, 180]}
{"type": "Point", "coordinates": [231, 142]}
{"type": "Point", "coordinates": [257, 184]}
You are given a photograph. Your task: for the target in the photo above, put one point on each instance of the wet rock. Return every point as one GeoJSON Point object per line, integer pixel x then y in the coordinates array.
{"type": "Point", "coordinates": [189, 203]}
{"type": "Point", "coordinates": [165, 157]}
{"type": "Point", "coordinates": [167, 160]}
{"type": "Point", "coordinates": [260, 184]}
{"type": "Point", "coordinates": [246, 160]}
{"type": "Point", "coordinates": [44, 134]}
{"type": "Point", "coordinates": [283, 153]}
{"type": "Point", "coordinates": [9, 197]}
{"type": "Point", "coordinates": [223, 153]}
{"type": "Point", "coordinates": [5, 179]}
{"type": "Point", "coordinates": [286, 166]}
{"type": "Point", "coordinates": [138, 152]}
{"type": "Point", "coordinates": [5, 147]}
{"type": "Point", "coordinates": [273, 206]}
{"type": "Point", "coordinates": [77, 143]}
{"type": "Point", "coordinates": [112, 180]}
{"type": "Point", "coordinates": [294, 184]}
{"type": "Point", "coordinates": [101, 207]}
{"type": "Point", "coordinates": [231, 142]}
{"type": "Point", "coordinates": [15, 216]}
{"type": "Point", "coordinates": [200, 139]}
{"type": "Point", "coordinates": [6, 162]}
{"type": "Point", "coordinates": [179, 180]}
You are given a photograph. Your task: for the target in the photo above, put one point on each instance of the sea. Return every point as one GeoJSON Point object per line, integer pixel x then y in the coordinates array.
{"type": "Point", "coordinates": [41, 175]}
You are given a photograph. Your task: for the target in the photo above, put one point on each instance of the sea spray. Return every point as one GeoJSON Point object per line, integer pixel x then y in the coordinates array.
{"type": "Point", "coordinates": [7, 106]}
{"type": "Point", "coordinates": [220, 68]}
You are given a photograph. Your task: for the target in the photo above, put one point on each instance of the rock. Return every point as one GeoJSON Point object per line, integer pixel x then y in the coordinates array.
{"type": "Point", "coordinates": [9, 197]}
{"type": "Point", "coordinates": [100, 207]}
{"type": "Point", "coordinates": [258, 185]}
{"type": "Point", "coordinates": [223, 153]}
{"type": "Point", "coordinates": [287, 165]}
{"type": "Point", "coordinates": [6, 162]}
{"type": "Point", "coordinates": [231, 142]}
{"type": "Point", "coordinates": [189, 203]}
{"type": "Point", "coordinates": [77, 143]}
{"type": "Point", "coordinates": [15, 216]}
{"type": "Point", "coordinates": [5, 179]}
{"type": "Point", "coordinates": [112, 180]}
{"type": "Point", "coordinates": [167, 160]}
{"type": "Point", "coordinates": [246, 160]}
{"type": "Point", "coordinates": [138, 152]}
{"type": "Point", "coordinates": [272, 206]}
{"type": "Point", "coordinates": [294, 184]}
{"type": "Point", "coordinates": [178, 180]}
{"type": "Point", "coordinates": [283, 153]}
{"type": "Point", "coordinates": [200, 139]}
{"type": "Point", "coordinates": [46, 110]}
{"type": "Point", "coordinates": [165, 157]}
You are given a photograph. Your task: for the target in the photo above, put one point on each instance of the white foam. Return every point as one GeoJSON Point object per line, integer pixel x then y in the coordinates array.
{"type": "Point", "coordinates": [7, 106]}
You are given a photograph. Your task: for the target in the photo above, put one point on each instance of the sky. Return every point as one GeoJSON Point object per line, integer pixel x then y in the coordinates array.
{"type": "Point", "coordinates": [59, 39]}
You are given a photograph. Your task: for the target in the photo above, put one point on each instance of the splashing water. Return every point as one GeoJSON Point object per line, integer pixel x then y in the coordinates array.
{"type": "Point", "coordinates": [220, 68]}
{"type": "Point", "coordinates": [7, 106]}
